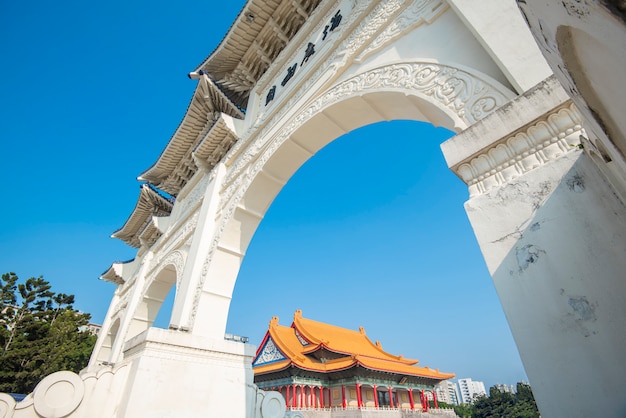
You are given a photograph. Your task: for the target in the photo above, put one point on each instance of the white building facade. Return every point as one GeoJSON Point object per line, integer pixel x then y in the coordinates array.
{"type": "Point", "coordinates": [470, 389]}
{"type": "Point", "coordinates": [505, 388]}
{"type": "Point", "coordinates": [448, 392]}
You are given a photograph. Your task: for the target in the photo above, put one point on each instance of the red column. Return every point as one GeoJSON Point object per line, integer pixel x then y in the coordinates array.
{"type": "Point", "coordinates": [424, 401]}
{"type": "Point", "coordinates": [359, 398]}
{"type": "Point", "coordinates": [321, 397]}
{"type": "Point", "coordinates": [390, 396]}
{"type": "Point", "coordinates": [301, 396]}
{"type": "Point", "coordinates": [435, 399]}
{"type": "Point", "coordinates": [305, 398]}
{"type": "Point", "coordinates": [288, 401]}
{"type": "Point", "coordinates": [343, 396]}
{"type": "Point", "coordinates": [411, 401]}
{"type": "Point", "coordinates": [375, 397]}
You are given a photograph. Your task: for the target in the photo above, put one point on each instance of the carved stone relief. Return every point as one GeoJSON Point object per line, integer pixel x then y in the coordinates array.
{"type": "Point", "coordinates": [177, 259]}
{"type": "Point", "coordinates": [194, 196]}
{"type": "Point", "coordinates": [182, 235]}
{"type": "Point", "coordinates": [544, 141]}
{"type": "Point", "coordinates": [420, 11]}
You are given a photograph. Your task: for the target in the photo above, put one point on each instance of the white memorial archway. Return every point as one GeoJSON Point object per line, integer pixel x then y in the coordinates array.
{"type": "Point", "coordinates": [290, 77]}
{"type": "Point", "coordinates": [426, 92]}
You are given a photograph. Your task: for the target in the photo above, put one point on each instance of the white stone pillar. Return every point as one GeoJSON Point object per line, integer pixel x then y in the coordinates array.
{"type": "Point", "coordinates": [97, 356]}
{"type": "Point", "coordinates": [553, 234]}
{"type": "Point", "coordinates": [126, 320]}
{"type": "Point", "coordinates": [188, 293]}
{"type": "Point", "coordinates": [502, 31]}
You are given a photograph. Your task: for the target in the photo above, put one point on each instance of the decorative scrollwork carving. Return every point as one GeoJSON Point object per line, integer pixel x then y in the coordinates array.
{"type": "Point", "coordinates": [269, 354]}
{"type": "Point", "coordinates": [418, 12]}
{"type": "Point", "coordinates": [369, 27]}
{"type": "Point", "coordinates": [195, 195]}
{"type": "Point", "coordinates": [177, 259]}
{"type": "Point", "coordinates": [176, 241]}
{"type": "Point", "coordinates": [456, 90]}
{"type": "Point", "coordinates": [544, 141]}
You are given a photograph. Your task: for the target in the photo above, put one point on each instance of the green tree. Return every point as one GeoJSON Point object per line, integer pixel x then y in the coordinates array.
{"type": "Point", "coordinates": [40, 333]}
{"type": "Point", "coordinates": [506, 405]}
{"type": "Point", "coordinates": [463, 410]}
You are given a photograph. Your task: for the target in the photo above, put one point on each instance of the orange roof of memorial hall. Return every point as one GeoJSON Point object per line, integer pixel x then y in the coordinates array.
{"type": "Point", "coordinates": [318, 347]}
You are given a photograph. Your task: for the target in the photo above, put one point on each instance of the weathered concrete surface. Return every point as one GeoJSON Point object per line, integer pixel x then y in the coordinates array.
{"type": "Point", "coordinates": [553, 234]}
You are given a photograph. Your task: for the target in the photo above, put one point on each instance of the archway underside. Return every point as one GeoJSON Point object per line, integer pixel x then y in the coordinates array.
{"type": "Point", "coordinates": [427, 92]}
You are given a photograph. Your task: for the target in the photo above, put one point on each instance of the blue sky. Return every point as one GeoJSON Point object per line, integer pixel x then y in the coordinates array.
{"type": "Point", "coordinates": [371, 231]}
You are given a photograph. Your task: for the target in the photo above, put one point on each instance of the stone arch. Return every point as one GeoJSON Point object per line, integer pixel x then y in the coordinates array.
{"type": "Point", "coordinates": [104, 354]}
{"type": "Point", "coordinates": [157, 287]}
{"type": "Point", "coordinates": [591, 64]}
{"type": "Point", "coordinates": [440, 94]}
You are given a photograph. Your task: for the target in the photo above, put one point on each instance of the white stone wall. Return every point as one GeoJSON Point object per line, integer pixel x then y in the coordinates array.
{"type": "Point", "coordinates": [583, 42]}
{"type": "Point", "coordinates": [553, 233]}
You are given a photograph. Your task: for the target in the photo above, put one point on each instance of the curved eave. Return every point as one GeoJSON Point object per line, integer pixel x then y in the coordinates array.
{"type": "Point", "coordinates": [327, 367]}
{"type": "Point", "coordinates": [322, 346]}
{"type": "Point", "coordinates": [149, 204]}
{"type": "Point", "coordinates": [398, 368]}
{"type": "Point", "coordinates": [272, 367]}
{"type": "Point", "coordinates": [217, 142]}
{"type": "Point", "coordinates": [311, 367]}
{"type": "Point", "coordinates": [113, 275]}
{"type": "Point", "coordinates": [220, 100]}
{"type": "Point", "coordinates": [205, 107]}
{"type": "Point", "coordinates": [117, 271]}
{"type": "Point", "coordinates": [261, 31]}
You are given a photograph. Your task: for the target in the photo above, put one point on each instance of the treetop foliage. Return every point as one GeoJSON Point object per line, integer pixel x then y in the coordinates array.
{"type": "Point", "coordinates": [502, 405]}
{"type": "Point", "coordinates": [40, 333]}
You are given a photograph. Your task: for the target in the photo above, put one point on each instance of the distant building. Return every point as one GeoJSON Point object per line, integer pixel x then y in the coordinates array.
{"type": "Point", "coordinates": [321, 366]}
{"type": "Point", "coordinates": [505, 388]}
{"type": "Point", "coordinates": [448, 392]}
{"type": "Point", "coordinates": [470, 389]}
{"type": "Point", "coordinates": [93, 329]}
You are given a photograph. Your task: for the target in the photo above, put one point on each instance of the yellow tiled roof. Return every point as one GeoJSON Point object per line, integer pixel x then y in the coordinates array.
{"type": "Point", "coordinates": [341, 340]}
{"type": "Point", "coordinates": [357, 348]}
